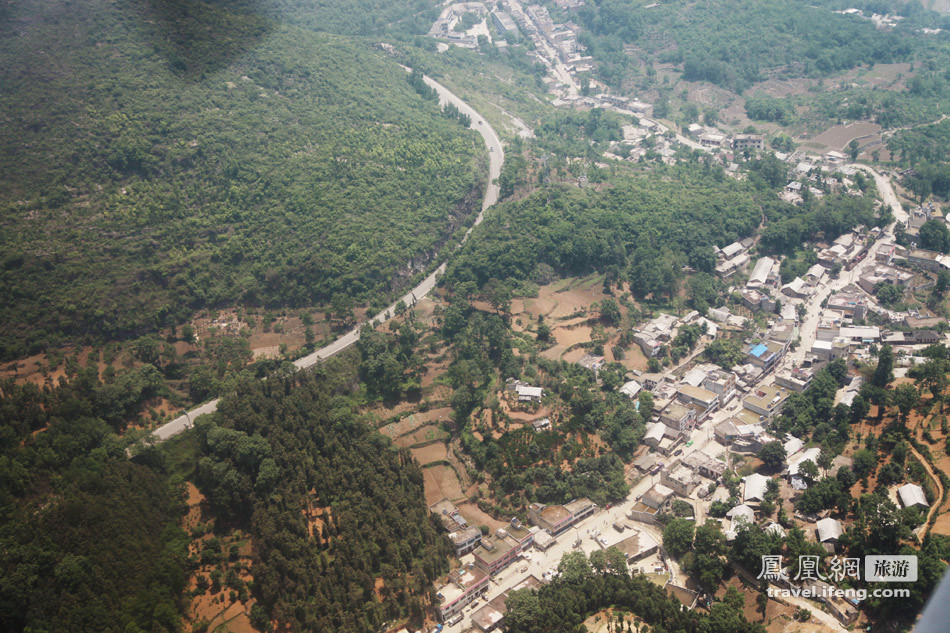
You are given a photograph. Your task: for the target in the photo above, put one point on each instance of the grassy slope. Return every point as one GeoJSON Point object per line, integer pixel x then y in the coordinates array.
{"type": "Point", "coordinates": [164, 157]}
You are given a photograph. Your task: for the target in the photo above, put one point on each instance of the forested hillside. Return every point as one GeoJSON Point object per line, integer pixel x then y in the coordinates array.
{"type": "Point", "coordinates": [160, 158]}
{"type": "Point", "coordinates": [650, 225]}
{"type": "Point", "coordinates": [89, 541]}
{"type": "Point", "coordinates": [354, 17]}
{"type": "Point", "coordinates": [287, 444]}
{"type": "Point", "coordinates": [739, 42]}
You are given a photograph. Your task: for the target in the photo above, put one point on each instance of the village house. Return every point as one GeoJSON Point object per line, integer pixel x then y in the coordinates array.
{"type": "Point", "coordinates": [680, 479]}
{"type": "Point", "coordinates": [765, 355]}
{"type": "Point", "coordinates": [912, 496]}
{"type": "Point", "coordinates": [704, 465]}
{"type": "Point", "coordinates": [464, 586]}
{"type": "Point", "coordinates": [679, 417]}
{"type": "Point", "coordinates": [728, 267]}
{"type": "Point", "coordinates": [529, 394]}
{"type": "Point", "coordinates": [755, 487]}
{"type": "Point", "coordinates": [762, 273]}
{"type": "Point", "coordinates": [767, 400]}
{"type": "Point", "coordinates": [653, 335]}
{"type": "Point", "coordinates": [496, 553]}
{"type": "Point", "coordinates": [829, 530]}
{"type": "Point", "coordinates": [748, 141]}
{"type": "Point", "coordinates": [555, 519]}
{"type": "Point", "coordinates": [850, 303]}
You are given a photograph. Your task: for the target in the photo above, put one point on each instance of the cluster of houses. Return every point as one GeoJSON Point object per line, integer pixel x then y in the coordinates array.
{"type": "Point", "coordinates": [655, 335]}
{"type": "Point", "coordinates": [815, 174]}
{"type": "Point", "coordinates": [444, 27]}
{"type": "Point", "coordinates": [764, 291]}
{"type": "Point", "coordinates": [711, 138]}
{"type": "Point", "coordinates": [491, 554]}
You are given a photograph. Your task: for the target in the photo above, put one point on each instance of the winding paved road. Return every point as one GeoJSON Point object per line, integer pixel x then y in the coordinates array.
{"type": "Point", "coordinates": [496, 156]}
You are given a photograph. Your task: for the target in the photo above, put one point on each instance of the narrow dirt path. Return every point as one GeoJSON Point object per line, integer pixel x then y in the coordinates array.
{"type": "Point", "coordinates": [937, 483]}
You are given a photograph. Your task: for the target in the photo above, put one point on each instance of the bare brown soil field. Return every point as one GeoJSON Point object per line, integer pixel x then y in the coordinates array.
{"type": "Point", "coordinates": [566, 338]}
{"type": "Point", "coordinates": [441, 482]}
{"type": "Point", "coordinates": [421, 435]}
{"type": "Point", "coordinates": [633, 356]}
{"type": "Point", "coordinates": [410, 423]}
{"type": "Point", "coordinates": [474, 515]}
{"type": "Point", "coordinates": [838, 136]}
{"type": "Point", "coordinates": [431, 453]}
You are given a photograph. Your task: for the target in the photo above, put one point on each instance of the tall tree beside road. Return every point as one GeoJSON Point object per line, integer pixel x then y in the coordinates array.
{"type": "Point", "coordinates": [884, 373]}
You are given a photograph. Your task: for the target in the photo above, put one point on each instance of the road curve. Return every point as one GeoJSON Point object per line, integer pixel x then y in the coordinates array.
{"type": "Point", "coordinates": [496, 157]}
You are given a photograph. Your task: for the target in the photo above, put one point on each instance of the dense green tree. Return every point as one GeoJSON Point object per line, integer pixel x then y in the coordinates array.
{"type": "Point", "coordinates": [884, 372]}
{"type": "Point", "coordinates": [678, 537]}
{"type": "Point", "coordinates": [935, 236]}
{"type": "Point", "coordinates": [773, 456]}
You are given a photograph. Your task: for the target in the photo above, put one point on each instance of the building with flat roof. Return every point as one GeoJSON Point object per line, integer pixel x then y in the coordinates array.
{"type": "Point", "coordinates": [449, 515]}
{"type": "Point", "coordinates": [767, 400]}
{"type": "Point", "coordinates": [722, 383]}
{"type": "Point", "coordinates": [680, 480]}
{"type": "Point", "coordinates": [487, 618]}
{"type": "Point", "coordinates": [555, 519]}
{"type": "Point", "coordinates": [765, 355]}
{"type": "Point", "coordinates": [465, 540]}
{"type": "Point", "coordinates": [748, 141]}
{"type": "Point", "coordinates": [581, 508]}
{"type": "Point", "coordinates": [679, 417]}
{"type": "Point", "coordinates": [637, 546]}
{"type": "Point", "coordinates": [462, 588]}
{"type": "Point", "coordinates": [707, 400]}
{"type": "Point", "coordinates": [498, 552]}
{"type": "Point", "coordinates": [884, 275]}
{"type": "Point", "coordinates": [850, 303]}
{"type": "Point", "coordinates": [796, 379]}
{"type": "Point", "coordinates": [726, 432]}
{"type": "Point", "coordinates": [929, 260]}
{"type": "Point", "coordinates": [704, 465]}
{"type": "Point", "coordinates": [657, 496]}
{"type": "Point", "coordinates": [860, 335]}
{"type": "Point", "coordinates": [504, 23]}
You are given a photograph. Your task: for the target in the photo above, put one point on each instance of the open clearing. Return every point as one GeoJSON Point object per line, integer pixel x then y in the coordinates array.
{"type": "Point", "coordinates": [441, 482]}
{"type": "Point", "coordinates": [839, 136]}
{"type": "Point", "coordinates": [424, 434]}
{"type": "Point", "coordinates": [432, 453]}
